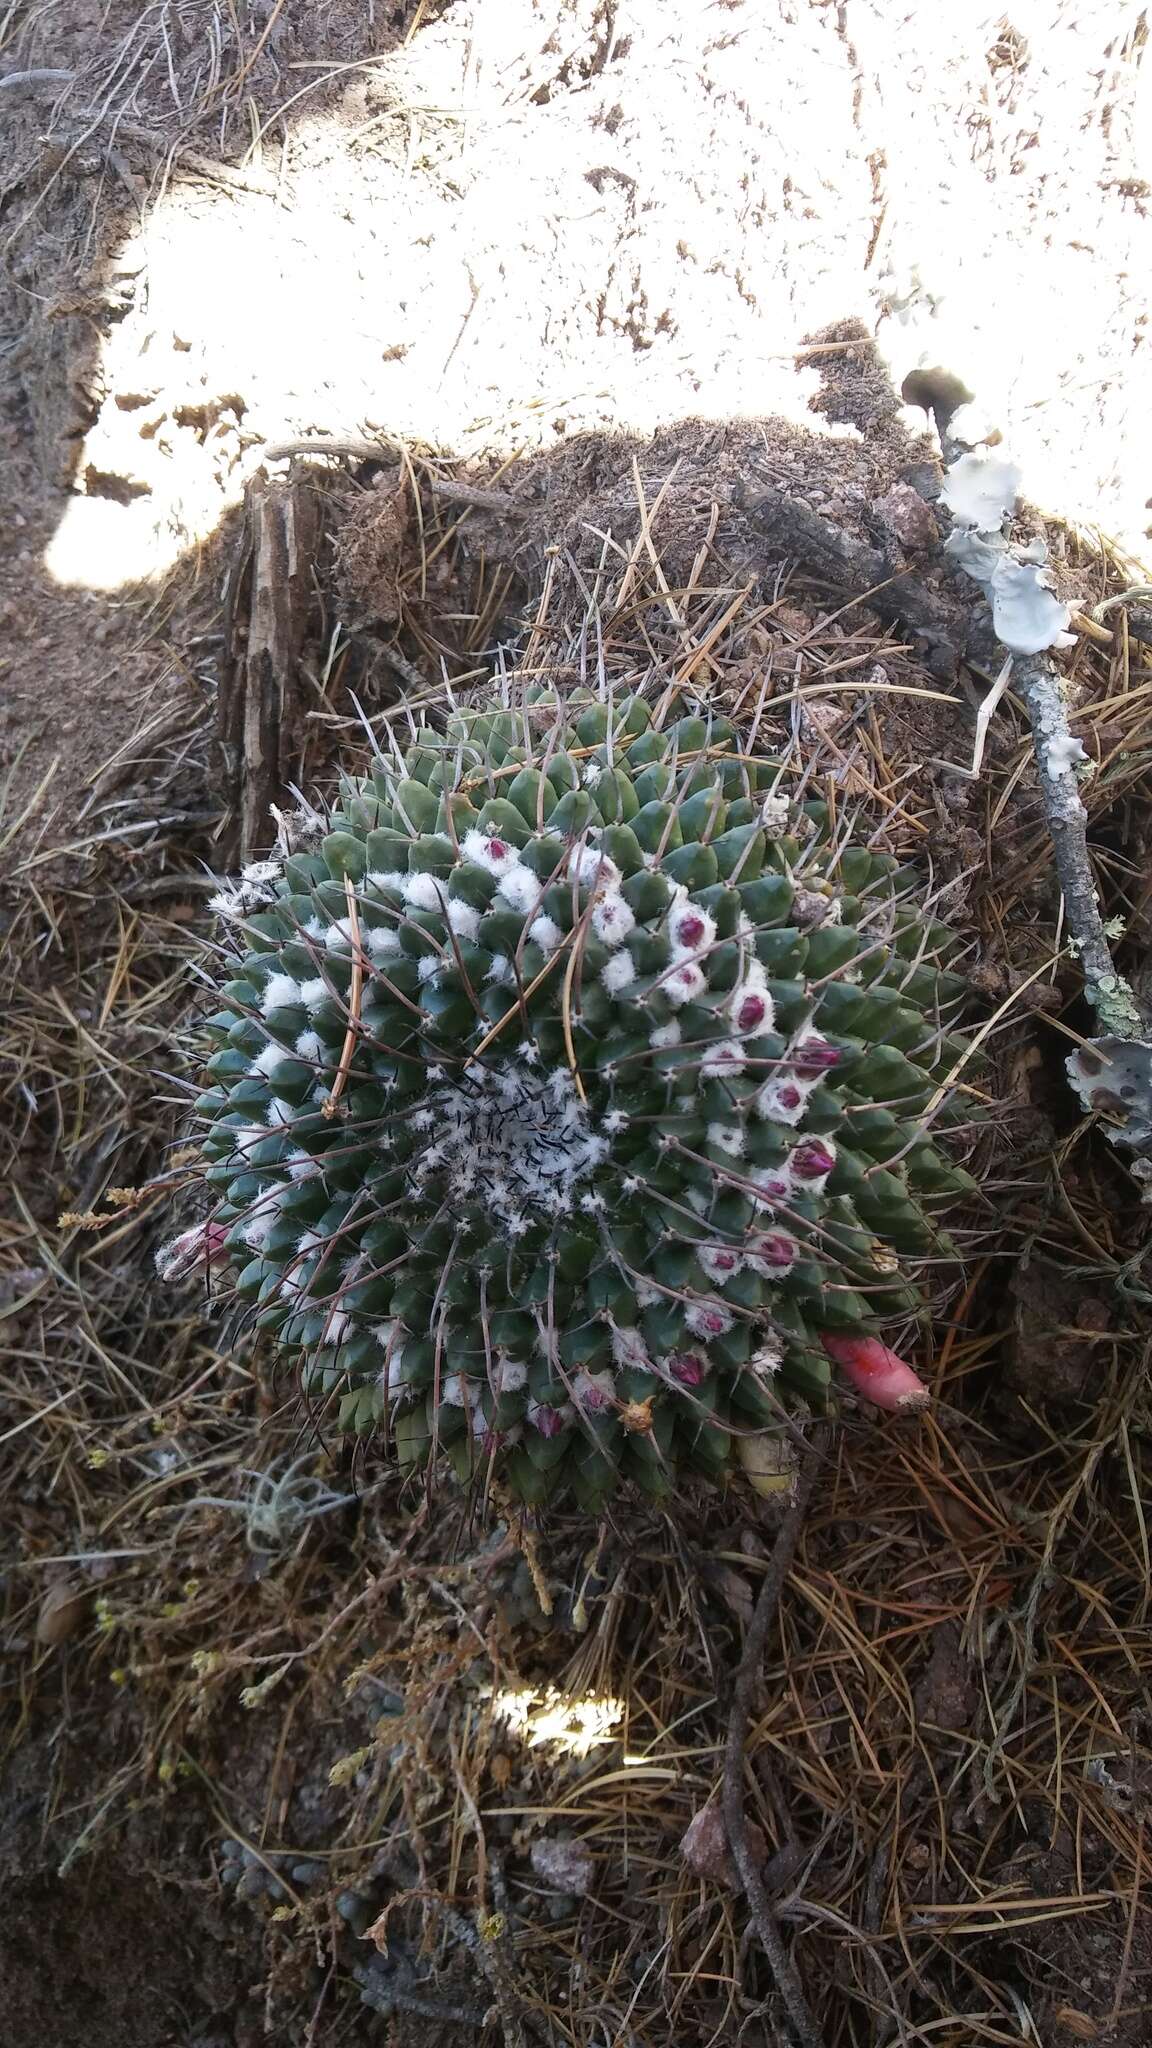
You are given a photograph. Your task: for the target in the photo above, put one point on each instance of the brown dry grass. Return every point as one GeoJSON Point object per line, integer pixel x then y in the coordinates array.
{"type": "Point", "coordinates": [951, 1740]}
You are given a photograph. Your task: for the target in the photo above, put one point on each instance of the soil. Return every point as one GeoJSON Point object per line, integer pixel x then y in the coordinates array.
{"type": "Point", "coordinates": [580, 254]}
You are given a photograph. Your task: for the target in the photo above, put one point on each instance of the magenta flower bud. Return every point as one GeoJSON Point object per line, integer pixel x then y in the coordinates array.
{"type": "Point", "coordinates": [815, 1056]}
{"type": "Point", "coordinates": [497, 849]}
{"type": "Point", "coordinates": [200, 1248]}
{"type": "Point", "coordinates": [789, 1097]}
{"type": "Point", "coordinates": [548, 1421]}
{"type": "Point", "coordinates": [774, 1249]}
{"type": "Point", "coordinates": [687, 1367]}
{"type": "Point", "coordinates": [690, 930]}
{"type": "Point", "coordinates": [751, 1014]}
{"type": "Point", "coordinates": [812, 1160]}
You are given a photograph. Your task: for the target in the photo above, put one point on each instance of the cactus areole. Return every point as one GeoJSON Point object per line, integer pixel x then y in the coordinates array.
{"type": "Point", "coordinates": [568, 1093]}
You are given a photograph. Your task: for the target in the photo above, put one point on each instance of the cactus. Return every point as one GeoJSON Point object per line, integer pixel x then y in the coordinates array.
{"type": "Point", "coordinates": [567, 1092]}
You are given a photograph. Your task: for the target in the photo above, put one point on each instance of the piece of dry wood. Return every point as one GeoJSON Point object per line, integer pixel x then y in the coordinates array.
{"type": "Point", "coordinates": [764, 1918]}
{"type": "Point", "coordinates": [789, 527]}
{"type": "Point", "coordinates": [261, 695]}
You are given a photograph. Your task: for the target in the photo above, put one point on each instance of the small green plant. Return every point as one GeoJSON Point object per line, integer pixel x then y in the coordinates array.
{"type": "Point", "coordinates": [569, 1094]}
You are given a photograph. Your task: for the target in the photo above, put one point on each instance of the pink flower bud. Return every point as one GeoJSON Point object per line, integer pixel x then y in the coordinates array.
{"type": "Point", "coordinates": [751, 1013]}
{"type": "Point", "coordinates": [195, 1250]}
{"type": "Point", "coordinates": [548, 1421]}
{"type": "Point", "coordinates": [811, 1161]}
{"type": "Point", "coordinates": [690, 930]}
{"type": "Point", "coordinates": [815, 1055]}
{"type": "Point", "coordinates": [774, 1249]}
{"type": "Point", "coordinates": [876, 1372]}
{"type": "Point", "coordinates": [497, 850]}
{"type": "Point", "coordinates": [687, 1367]}
{"type": "Point", "coordinates": [788, 1096]}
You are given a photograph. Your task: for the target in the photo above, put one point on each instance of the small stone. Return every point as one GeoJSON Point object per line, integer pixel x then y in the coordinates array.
{"type": "Point", "coordinates": [906, 516]}
{"type": "Point", "coordinates": [704, 1846]}
{"type": "Point", "coordinates": [564, 1866]}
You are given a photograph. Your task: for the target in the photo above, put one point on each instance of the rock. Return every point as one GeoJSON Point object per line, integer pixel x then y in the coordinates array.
{"type": "Point", "coordinates": [564, 1866]}
{"type": "Point", "coordinates": [704, 1846]}
{"type": "Point", "coordinates": [908, 518]}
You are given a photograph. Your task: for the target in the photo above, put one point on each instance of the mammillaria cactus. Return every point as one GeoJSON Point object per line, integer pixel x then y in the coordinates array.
{"type": "Point", "coordinates": [569, 1093]}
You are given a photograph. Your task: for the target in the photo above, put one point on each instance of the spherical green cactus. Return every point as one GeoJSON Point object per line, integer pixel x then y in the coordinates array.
{"type": "Point", "coordinates": [568, 1093]}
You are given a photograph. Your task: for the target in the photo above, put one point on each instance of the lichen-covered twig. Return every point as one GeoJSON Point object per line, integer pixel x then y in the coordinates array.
{"type": "Point", "coordinates": [1038, 683]}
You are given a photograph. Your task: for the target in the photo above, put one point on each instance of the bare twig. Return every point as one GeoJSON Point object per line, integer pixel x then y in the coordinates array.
{"type": "Point", "coordinates": [764, 1917]}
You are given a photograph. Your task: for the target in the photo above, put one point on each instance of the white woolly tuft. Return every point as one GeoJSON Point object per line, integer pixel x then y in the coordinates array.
{"type": "Point", "coordinates": [520, 1142]}
{"type": "Point", "coordinates": [264, 1213]}
{"type": "Point", "coordinates": [545, 933]}
{"type": "Point", "coordinates": [665, 1035]}
{"type": "Point", "coordinates": [773, 1184]}
{"type": "Point", "coordinates": [501, 969]}
{"type": "Point", "coordinates": [723, 1061]}
{"type": "Point", "coordinates": [338, 937]}
{"type": "Point", "coordinates": [452, 1391]}
{"type": "Point", "coordinates": [719, 1262]}
{"type": "Point", "coordinates": [424, 892]}
{"type": "Point", "coordinates": [727, 1138]}
{"type": "Point", "coordinates": [488, 850]}
{"type": "Point", "coordinates": [310, 1047]}
{"type": "Point", "coordinates": [313, 993]}
{"type": "Point", "coordinates": [708, 1319]}
{"type": "Point", "coordinates": [428, 966]}
{"type": "Point", "coordinates": [380, 940]}
{"type": "Point", "coordinates": [784, 1099]}
{"type": "Point", "coordinates": [767, 1360]}
{"type": "Point", "coordinates": [593, 1391]}
{"type": "Point", "coordinates": [302, 1166]}
{"type": "Point", "coordinates": [390, 881]}
{"type": "Point", "coordinates": [691, 931]}
{"type": "Point", "coordinates": [511, 1375]}
{"type": "Point", "coordinates": [520, 887]}
{"type": "Point", "coordinates": [280, 992]}
{"type": "Point", "coordinates": [612, 920]}
{"type": "Point", "coordinates": [618, 973]}
{"type": "Point", "coordinates": [593, 869]}
{"type": "Point", "coordinates": [280, 1114]}
{"type": "Point", "coordinates": [268, 1058]}
{"type": "Point", "coordinates": [462, 918]}
{"type": "Point", "coordinates": [684, 982]}
{"type": "Point", "coordinates": [629, 1349]}
{"type": "Point", "coordinates": [316, 928]}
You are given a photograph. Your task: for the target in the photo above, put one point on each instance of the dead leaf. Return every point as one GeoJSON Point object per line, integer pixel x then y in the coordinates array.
{"type": "Point", "coordinates": [62, 1610]}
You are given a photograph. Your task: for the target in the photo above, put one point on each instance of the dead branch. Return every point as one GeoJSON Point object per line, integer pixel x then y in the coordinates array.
{"type": "Point", "coordinates": [764, 1918]}
{"type": "Point", "coordinates": [260, 701]}
{"type": "Point", "coordinates": [792, 528]}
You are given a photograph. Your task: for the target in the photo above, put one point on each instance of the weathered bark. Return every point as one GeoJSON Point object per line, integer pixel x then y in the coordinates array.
{"type": "Point", "coordinates": [790, 527]}
{"type": "Point", "coordinates": [261, 697]}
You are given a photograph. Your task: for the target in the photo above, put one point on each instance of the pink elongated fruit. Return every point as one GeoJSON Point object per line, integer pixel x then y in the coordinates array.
{"type": "Point", "coordinates": [876, 1372]}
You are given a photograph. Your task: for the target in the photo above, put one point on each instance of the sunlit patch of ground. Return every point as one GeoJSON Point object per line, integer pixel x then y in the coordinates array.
{"type": "Point", "coordinates": [531, 221]}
